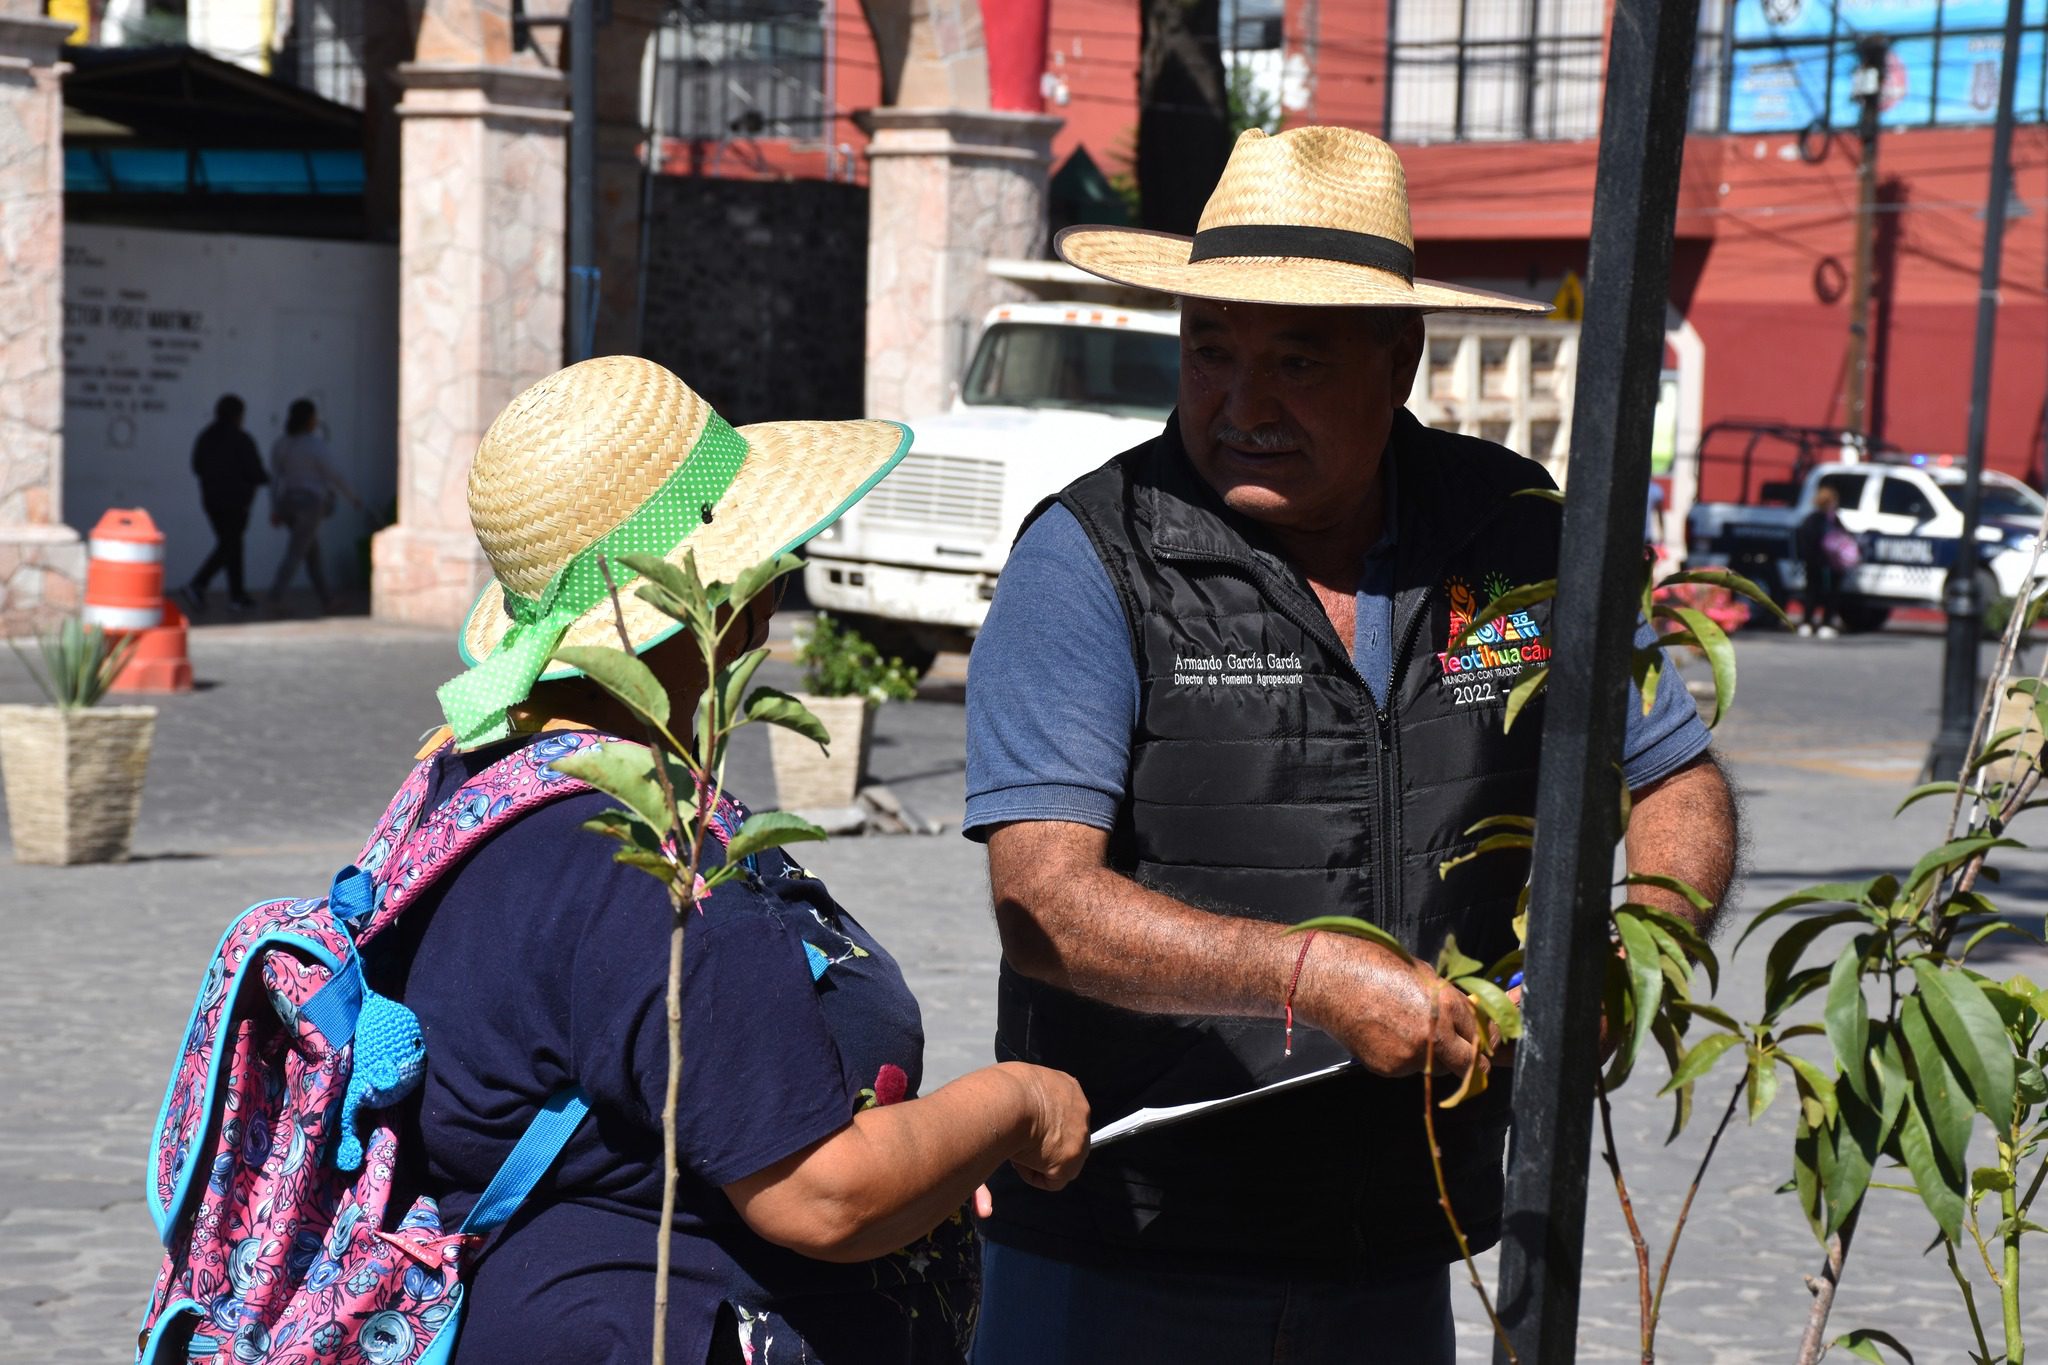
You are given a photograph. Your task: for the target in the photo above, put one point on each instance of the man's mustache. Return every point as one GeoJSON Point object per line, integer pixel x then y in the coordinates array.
{"type": "Point", "coordinates": [1263, 439]}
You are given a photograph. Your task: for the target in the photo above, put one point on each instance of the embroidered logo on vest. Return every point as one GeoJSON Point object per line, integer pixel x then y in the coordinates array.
{"type": "Point", "coordinates": [1485, 667]}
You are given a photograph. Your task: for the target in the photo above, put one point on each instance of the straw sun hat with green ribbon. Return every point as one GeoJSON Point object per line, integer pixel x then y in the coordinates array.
{"type": "Point", "coordinates": [1313, 215]}
{"type": "Point", "coordinates": [617, 456]}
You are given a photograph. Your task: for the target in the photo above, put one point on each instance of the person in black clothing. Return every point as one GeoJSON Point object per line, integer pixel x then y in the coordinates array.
{"type": "Point", "coordinates": [230, 470]}
{"type": "Point", "coordinates": [1822, 600]}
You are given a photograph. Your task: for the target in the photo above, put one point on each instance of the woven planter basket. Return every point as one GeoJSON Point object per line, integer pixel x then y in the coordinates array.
{"type": "Point", "coordinates": [806, 777]}
{"type": "Point", "coordinates": [74, 779]}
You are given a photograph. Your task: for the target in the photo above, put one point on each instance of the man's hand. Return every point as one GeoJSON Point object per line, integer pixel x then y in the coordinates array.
{"type": "Point", "coordinates": [1395, 1016]}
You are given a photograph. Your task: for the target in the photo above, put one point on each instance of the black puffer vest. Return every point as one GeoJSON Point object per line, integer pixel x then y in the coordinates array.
{"type": "Point", "coordinates": [1266, 781]}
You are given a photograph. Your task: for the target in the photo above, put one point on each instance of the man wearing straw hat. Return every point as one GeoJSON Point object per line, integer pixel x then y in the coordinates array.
{"type": "Point", "coordinates": [1222, 690]}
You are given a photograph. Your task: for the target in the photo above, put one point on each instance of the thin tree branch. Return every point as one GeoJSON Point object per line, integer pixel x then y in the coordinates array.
{"type": "Point", "coordinates": [1813, 1345]}
{"type": "Point", "coordinates": [1685, 1209]}
{"type": "Point", "coordinates": [1969, 1298]}
{"type": "Point", "coordinates": [1612, 1155]}
{"type": "Point", "coordinates": [1443, 1192]}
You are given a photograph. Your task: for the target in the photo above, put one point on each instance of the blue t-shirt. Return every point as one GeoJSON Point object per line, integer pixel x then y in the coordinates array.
{"type": "Point", "coordinates": [1052, 696]}
{"type": "Point", "coordinates": [541, 963]}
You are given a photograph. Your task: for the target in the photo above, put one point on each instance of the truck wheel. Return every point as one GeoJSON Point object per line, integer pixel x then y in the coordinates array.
{"type": "Point", "coordinates": [1861, 615]}
{"type": "Point", "coordinates": [895, 640]}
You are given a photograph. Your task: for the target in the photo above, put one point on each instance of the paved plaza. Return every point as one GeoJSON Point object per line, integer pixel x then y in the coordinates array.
{"type": "Point", "coordinates": [264, 780]}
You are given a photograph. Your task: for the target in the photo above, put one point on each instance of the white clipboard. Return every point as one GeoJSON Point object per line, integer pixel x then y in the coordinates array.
{"type": "Point", "coordinates": [1147, 1119]}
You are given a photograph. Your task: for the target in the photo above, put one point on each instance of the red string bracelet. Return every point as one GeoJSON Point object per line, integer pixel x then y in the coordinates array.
{"type": "Point", "coordinates": [1287, 1047]}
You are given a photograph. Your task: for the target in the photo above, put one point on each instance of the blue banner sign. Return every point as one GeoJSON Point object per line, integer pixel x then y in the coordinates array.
{"type": "Point", "coordinates": [1943, 66]}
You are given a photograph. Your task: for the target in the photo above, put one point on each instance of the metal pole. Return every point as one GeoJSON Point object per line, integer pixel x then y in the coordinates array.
{"type": "Point", "coordinates": [1960, 596]}
{"type": "Point", "coordinates": [1635, 200]}
{"type": "Point", "coordinates": [582, 338]}
{"type": "Point", "coordinates": [1871, 50]}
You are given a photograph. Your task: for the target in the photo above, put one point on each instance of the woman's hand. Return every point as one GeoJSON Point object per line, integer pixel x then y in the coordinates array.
{"type": "Point", "coordinates": [1058, 1141]}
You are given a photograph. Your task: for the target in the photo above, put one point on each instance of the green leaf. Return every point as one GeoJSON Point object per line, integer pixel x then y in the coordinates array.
{"type": "Point", "coordinates": [1990, 1179]}
{"type": "Point", "coordinates": [779, 708]}
{"type": "Point", "coordinates": [1936, 1188]}
{"type": "Point", "coordinates": [1864, 1341]}
{"type": "Point", "coordinates": [2029, 1083]}
{"type": "Point", "coordinates": [1711, 1013]}
{"type": "Point", "coordinates": [1665, 1031]}
{"type": "Point", "coordinates": [1952, 853]}
{"type": "Point", "coordinates": [1878, 890]}
{"type": "Point", "coordinates": [1492, 843]}
{"type": "Point", "coordinates": [680, 579]}
{"type": "Point", "coordinates": [1935, 1083]}
{"type": "Point", "coordinates": [631, 682]}
{"type": "Point", "coordinates": [1648, 667]}
{"type": "Point", "coordinates": [1854, 1135]}
{"type": "Point", "coordinates": [1699, 1059]}
{"type": "Point", "coordinates": [1815, 1082]}
{"type": "Point", "coordinates": [1923, 791]}
{"type": "Point", "coordinates": [1677, 886]}
{"type": "Point", "coordinates": [1451, 963]}
{"type": "Point", "coordinates": [1547, 494]}
{"type": "Point", "coordinates": [653, 864]}
{"type": "Point", "coordinates": [770, 829]}
{"type": "Point", "coordinates": [2007, 1226]}
{"type": "Point", "coordinates": [1762, 1083]}
{"type": "Point", "coordinates": [1790, 947]}
{"type": "Point", "coordinates": [1893, 1089]}
{"type": "Point", "coordinates": [752, 582]}
{"type": "Point", "coordinates": [1807, 1176]}
{"type": "Point", "coordinates": [1524, 823]}
{"type": "Point", "coordinates": [1969, 1026]}
{"type": "Point", "coordinates": [1986, 931]}
{"type": "Point", "coordinates": [1356, 928]}
{"type": "Point", "coordinates": [627, 828]}
{"type": "Point", "coordinates": [1684, 931]}
{"type": "Point", "coordinates": [1523, 692]}
{"type": "Point", "coordinates": [732, 685]}
{"type": "Point", "coordinates": [1734, 582]}
{"type": "Point", "coordinates": [1848, 1019]}
{"type": "Point", "coordinates": [1491, 1001]}
{"type": "Point", "coordinates": [624, 772]}
{"type": "Point", "coordinates": [1646, 978]}
{"type": "Point", "coordinates": [1720, 652]}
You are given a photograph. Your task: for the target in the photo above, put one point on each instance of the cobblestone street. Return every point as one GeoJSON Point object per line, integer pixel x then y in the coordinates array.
{"type": "Point", "coordinates": [264, 780]}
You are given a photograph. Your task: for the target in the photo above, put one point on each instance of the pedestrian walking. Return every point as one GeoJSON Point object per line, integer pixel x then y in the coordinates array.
{"type": "Point", "coordinates": [230, 470]}
{"type": "Point", "coordinates": [1828, 551]}
{"type": "Point", "coordinates": [304, 486]}
{"type": "Point", "coordinates": [1238, 677]}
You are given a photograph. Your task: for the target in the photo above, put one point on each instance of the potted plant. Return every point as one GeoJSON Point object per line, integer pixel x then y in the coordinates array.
{"type": "Point", "coordinates": [845, 679]}
{"type": "Point", "coordinates": [73, 769]}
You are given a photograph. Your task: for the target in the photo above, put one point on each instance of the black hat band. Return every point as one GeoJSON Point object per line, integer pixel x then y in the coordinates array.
{"type": "Point", "coordinates": [1312, 243]}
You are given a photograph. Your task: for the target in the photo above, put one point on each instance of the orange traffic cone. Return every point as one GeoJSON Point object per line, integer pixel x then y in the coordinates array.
{"type": "Point", "coordinates": [124, 595]}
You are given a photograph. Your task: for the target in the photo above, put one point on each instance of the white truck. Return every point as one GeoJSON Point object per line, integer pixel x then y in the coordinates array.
{"type": "Point", "coordinates": [1903, 510]}
{"type": "Point", "coordinates": [1060, 384]}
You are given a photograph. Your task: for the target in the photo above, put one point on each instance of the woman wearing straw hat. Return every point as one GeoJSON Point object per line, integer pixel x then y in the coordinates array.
{"type": "Point", "coordinates": [819, 1210]}
{"type": "Point", "coordinates": [1223, 689]}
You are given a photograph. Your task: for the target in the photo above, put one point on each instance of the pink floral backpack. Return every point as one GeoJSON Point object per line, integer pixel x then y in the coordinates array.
{"type": "Point", "coordinates": [271, 1168]}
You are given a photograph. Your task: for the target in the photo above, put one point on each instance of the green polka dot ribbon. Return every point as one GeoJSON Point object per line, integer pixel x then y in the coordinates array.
{"type": "Point", "coordinates": [475, 702]}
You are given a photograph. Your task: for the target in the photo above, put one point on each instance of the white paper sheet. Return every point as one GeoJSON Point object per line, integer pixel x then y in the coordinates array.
{"type": "Point", "coordinates": [1147, 1119]}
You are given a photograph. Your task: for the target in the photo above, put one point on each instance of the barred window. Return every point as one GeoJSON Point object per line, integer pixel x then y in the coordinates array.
{"type": "Point", "coordinates": [1494, 70]}
{"type": "Point", "coordinates": [755, 69]}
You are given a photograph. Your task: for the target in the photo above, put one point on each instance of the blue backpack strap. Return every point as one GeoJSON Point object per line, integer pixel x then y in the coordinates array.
{"type": "Point", "coordinates": [531, 1157]}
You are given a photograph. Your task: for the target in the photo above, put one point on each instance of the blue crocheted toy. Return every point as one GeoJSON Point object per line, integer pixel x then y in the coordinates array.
{"type": "Point", "coordinates": [390, 1058]}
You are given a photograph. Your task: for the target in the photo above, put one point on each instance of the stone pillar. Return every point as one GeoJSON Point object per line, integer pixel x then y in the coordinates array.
{"type": "Point", "coordinates": [480, 307]}
{"type": "Point", "coordinates": [948, 190]}
{"type": "Point", "coordinates": [42, 562]}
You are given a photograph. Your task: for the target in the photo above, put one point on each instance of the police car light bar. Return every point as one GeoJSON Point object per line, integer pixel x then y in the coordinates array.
{"type": "Point", "coordinates": [1922, 459]}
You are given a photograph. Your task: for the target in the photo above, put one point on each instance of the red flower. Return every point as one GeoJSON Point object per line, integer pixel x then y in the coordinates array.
{"type": "Point", "coordinates": [891, 1084]}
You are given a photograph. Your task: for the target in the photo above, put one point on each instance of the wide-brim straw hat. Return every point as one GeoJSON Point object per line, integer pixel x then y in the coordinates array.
{"type": "Point", "coordinates": [1313, 216]}
{"type": "Point", "coordinates": [616, 456]}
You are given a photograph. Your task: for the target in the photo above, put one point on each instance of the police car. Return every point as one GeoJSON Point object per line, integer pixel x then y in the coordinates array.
{"type": "Point", "coordinates": [1906, 515]}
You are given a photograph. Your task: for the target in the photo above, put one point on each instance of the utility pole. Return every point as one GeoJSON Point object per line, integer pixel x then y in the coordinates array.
{"type": "Point", "coordinates": [1960, 596]}
{"type": "Point", "coordinates": [1872, 49]}
{"type": "Point", "coordinates": [1599, 575]}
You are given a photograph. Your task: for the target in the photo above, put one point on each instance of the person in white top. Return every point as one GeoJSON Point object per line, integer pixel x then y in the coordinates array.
{"type": "Point", "coordinates": [303, 489]}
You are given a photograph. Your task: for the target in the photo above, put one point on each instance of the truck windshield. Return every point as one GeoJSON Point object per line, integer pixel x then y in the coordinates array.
{"type": "Point", "coordinates": [1094, 369]}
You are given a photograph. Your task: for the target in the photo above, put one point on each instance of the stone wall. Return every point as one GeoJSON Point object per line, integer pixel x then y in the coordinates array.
{"type": "Point", "coordinates": [756, 292]}
{"type": "Point", "coordinates": [42, 562]}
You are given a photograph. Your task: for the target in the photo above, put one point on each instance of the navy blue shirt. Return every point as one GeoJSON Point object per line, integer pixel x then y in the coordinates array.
{"type": "Point", "coordinates": [541, 963]}
{"type": "Point", "coordinates": [1052, 697]}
